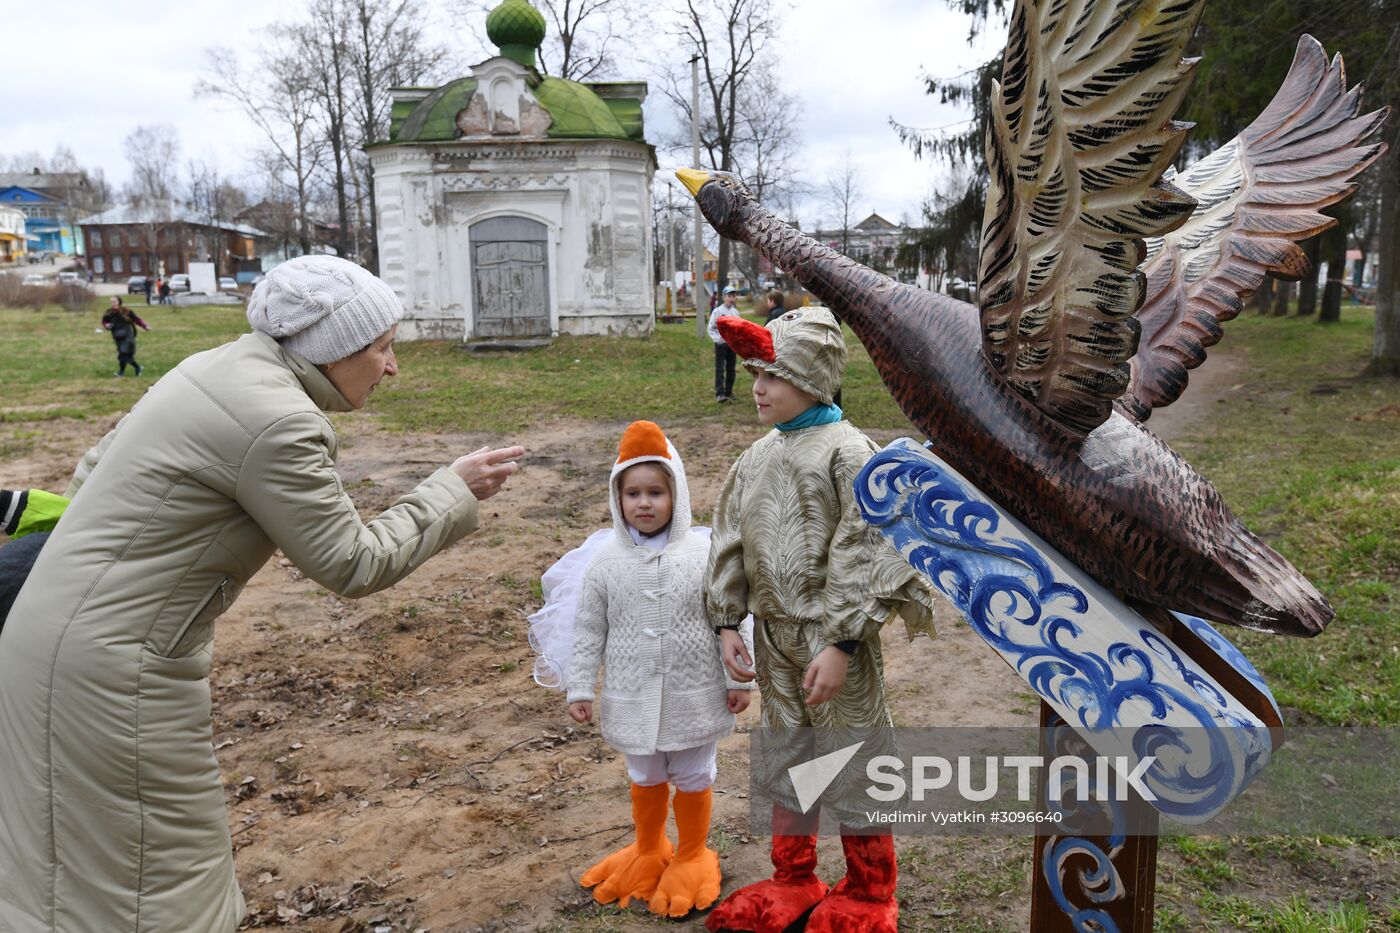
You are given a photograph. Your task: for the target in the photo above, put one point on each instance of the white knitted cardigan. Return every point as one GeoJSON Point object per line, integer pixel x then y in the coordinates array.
{"type": "Point", "coordinates": [641, 616]}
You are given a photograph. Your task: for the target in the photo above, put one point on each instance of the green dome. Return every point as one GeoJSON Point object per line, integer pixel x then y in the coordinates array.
{"type": "Point", "coordinates": [577, 111]}
{"type": "Point", "coordinates": [434, 118]}
{"type": "Point", "coordinates": [517, 29]}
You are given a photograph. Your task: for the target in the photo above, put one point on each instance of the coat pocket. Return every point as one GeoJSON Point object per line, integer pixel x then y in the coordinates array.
{"type": "Point", "coordinates": [195, 630]}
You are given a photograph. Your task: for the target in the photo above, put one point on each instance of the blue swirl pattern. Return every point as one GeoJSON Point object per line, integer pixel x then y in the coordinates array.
{"type": "Point", "coordinates": [1124, 686]}
{"type": "Point", "coordinates": [1088, 862]}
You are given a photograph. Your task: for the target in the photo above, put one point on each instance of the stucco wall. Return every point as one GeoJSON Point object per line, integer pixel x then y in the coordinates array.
{"type": "Point", "coordinates": [593, 197]}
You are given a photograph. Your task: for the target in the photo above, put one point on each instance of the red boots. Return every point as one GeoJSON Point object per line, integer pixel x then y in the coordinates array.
{"type": "Point", "coordinates": [774, 905]}
{"type": "Point", "coordinates": [863, 901]}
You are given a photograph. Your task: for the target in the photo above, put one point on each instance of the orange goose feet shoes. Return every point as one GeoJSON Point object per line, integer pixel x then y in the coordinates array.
{"type": "Point", "coordinates": [633, 871]}
{"type": "Point", "coordinates": [692, 879]}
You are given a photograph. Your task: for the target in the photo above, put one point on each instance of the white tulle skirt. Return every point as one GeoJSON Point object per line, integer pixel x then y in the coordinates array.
{"type": "Point", "coordinates": [552, 627]}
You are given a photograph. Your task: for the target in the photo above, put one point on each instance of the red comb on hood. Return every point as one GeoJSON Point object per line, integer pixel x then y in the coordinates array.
{"type": "Point", "coordinates": [746, 338]}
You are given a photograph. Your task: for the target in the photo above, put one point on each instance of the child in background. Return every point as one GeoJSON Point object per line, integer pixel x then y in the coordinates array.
{"type": "Point", "coordinates": [724, 356]}
{"type": "Point", "coordinates": [666, 700]}
{"type": "Point", "coordinates": [774, 300]}
{"type": "Point", "coordinates": [790, 547]}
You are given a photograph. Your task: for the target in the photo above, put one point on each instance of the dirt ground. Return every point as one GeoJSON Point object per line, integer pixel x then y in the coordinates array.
{"type": "Point", "coordinates": [390, 765]}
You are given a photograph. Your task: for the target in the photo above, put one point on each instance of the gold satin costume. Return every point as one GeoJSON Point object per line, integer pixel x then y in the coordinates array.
{"type": "Point", "coordinates": [790, 547]}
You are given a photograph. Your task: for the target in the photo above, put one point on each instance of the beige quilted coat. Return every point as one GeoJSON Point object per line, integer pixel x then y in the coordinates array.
{"type": "Point", "coordinates": [111, 811]}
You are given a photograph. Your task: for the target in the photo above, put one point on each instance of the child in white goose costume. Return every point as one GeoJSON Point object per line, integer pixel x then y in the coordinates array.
{"type": "Point", "coordinates": [666, 699]}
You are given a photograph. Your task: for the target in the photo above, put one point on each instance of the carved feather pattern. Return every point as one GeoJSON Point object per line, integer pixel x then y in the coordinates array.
{"type": "Point", "coordinates": [1082, 130]}
{"type": "Point", "coordinates": [1256, 196]}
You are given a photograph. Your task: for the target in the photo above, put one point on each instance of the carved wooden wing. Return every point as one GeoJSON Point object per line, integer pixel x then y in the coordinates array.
{"type": "Point", "coordinates": [1258, 195]}
{"type": "Point", "coordinates": [1081, 132]}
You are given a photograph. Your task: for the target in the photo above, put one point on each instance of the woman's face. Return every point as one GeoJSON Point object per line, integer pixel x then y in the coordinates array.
{"type": "Point", "coordinates": [356, 376]}
{"type": "Point", "coordinates": [115, 303]}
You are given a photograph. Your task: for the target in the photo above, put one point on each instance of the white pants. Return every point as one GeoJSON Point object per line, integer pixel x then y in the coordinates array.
{"type": "Point", "coordinates": [690, 769]}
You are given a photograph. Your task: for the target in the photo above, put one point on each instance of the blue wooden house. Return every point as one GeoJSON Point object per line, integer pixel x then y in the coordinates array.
{"type": "Point", "coordinates": [44, 219]}
{"type": "Point", "coordinates": [51, 203]}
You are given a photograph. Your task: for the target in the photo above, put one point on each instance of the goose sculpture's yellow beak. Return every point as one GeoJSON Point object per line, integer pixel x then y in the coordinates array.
{"type": "Point", "coordinates": [693, 179]}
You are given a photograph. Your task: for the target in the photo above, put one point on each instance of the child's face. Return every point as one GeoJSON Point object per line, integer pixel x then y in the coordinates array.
{"type": "Point", "coordinates": [778, 400]}
{"type": "Point", "coordinates": [730, 300]}
{"type": "Point", "coordinates": [645, 493]}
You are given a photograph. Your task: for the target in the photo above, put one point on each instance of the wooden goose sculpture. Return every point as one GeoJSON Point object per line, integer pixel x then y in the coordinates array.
{"type": "Point", "coordinates": [1039, 396]}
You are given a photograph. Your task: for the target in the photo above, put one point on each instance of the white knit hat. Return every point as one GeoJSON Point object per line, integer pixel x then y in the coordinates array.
{"type": "Point", "coordinates": [323, 308]}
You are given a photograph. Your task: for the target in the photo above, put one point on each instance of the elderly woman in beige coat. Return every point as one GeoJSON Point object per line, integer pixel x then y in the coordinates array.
{"type": "Point", "coordinates": [111, 811]}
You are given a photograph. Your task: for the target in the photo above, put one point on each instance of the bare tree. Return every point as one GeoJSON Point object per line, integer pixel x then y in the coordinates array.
{"type": "Point", "coordinates": [214, 199]}
{"type": "Point", "coordinates": [388, 48]}
{"type": "Point", "coordinates": [729, 37]}
{"type": "Point", "coordinates": [26, 161]}
{"type": "Point", "coordinates": [766, 154]}
{"type": "Point", "coordinates": [843, 193]}
{"type": "Point", "coordinates": [1385, 349]}
{"type": "Point", "coordinates": [276, 215]}
{"type": "Point", "coordinates": [768, 136]}
{"type": "Point", "coordinates": [154, 153]}
{"type": "Point", "coordinates": [62, 160]}
{"type": "Point", "coordinates": [325, 41]}
{"type": "Point", "coordinates": [278, 97]}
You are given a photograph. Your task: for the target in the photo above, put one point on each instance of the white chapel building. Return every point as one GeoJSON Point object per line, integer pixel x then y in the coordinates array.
{"type": "Point", "coordinates": [512, 204]}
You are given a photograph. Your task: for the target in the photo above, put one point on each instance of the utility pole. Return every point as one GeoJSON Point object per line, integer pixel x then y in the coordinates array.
{"type": "Point", "coordinates": [700, 310]}
{"type": "Point", "coordinates": [670, 252]}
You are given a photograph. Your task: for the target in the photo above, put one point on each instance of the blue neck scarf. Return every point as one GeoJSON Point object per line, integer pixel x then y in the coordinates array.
{"type": "Point", "coordinates": [817, 414]}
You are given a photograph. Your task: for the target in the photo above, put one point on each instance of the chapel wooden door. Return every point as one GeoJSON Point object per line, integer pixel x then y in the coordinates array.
{"type": "Point", "coordinates": [510, 278]}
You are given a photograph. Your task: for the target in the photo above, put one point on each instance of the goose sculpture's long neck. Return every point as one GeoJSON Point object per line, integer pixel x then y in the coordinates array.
{"type": "Point", "coordinates": [841, 283]}
{"type": "Point", "coordinates": [926, 346]}
{"type": "Point", "coordinates": [857, 293]}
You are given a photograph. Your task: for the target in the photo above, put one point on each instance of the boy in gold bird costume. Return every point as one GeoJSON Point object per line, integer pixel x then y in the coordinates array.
{"type": "Point", "coordinates": [789, 546]}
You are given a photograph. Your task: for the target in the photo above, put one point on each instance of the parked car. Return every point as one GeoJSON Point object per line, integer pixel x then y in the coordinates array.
{"type": "Point", "coordinates": [70, 278]}
{"type": "Point", "coordinates": [136, 285]}
{"type": "Point", "coordinates": [227, 284]}
{"type": "Point", "coordinates": [179, 282]}
{"type": "Point", "coordinates": [34, 279]}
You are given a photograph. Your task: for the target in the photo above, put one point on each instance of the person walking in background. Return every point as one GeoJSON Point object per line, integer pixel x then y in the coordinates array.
{"type": "Point", "coordinates": [146, 287]}
{"type": "Point", "coordinates": [165, 291]}
{"type": "Point", "coordinates": [122, 322]}
{"type": "Point", "coordinates": [774, 298]}
{"type": "Point", "coordinates": [724, 357]}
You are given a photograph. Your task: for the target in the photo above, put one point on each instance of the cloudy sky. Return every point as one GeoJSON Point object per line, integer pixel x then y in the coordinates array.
{"type": "Point", "coordinates": [87, 72]}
